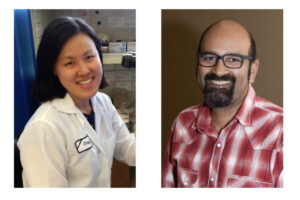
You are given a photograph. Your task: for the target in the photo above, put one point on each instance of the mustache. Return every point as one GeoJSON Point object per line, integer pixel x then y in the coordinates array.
{"type": "Point", "coordinates": [226, 77]}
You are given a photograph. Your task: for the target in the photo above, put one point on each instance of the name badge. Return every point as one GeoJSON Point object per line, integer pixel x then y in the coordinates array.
{"type": "Point", "coordinates": [83, 144]}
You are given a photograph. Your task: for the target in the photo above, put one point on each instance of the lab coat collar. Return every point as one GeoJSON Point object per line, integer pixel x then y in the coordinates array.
{"type": "Point", "coordinates": [97, 107]}
{"type": "Point", "coordinates": [68, 106]}
{"type": "Point", "coordinates": [65, 104]}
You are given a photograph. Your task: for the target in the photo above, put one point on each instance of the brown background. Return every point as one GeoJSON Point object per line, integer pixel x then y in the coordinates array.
{"type": "Point", "coordinates": [181, 30]}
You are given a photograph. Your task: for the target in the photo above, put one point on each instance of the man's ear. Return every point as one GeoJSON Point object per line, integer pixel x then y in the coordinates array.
{"type": "Point", "coordinates": [254, 70]}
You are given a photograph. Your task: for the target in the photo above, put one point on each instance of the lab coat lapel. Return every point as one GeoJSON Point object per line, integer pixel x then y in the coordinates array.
{"type": "Point", "coordinates": [104, 131]}
{"type": "Point", "coordinates": [96, 135]}
{"type": "Point", "coordinates": [98, 115]}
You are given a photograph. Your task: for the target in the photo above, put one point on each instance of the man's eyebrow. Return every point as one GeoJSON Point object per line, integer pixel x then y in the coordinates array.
{"type": "Point", "coordinates": [208, 52]}
{"type": "Point", "coordinates": [227, 53]}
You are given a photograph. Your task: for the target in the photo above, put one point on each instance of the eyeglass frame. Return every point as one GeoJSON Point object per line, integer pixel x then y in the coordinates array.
{"type": "Point", "coordinates": [222, 58]}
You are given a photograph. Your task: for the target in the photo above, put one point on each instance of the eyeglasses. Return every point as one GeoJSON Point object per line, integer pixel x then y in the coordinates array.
{"type": "Point", "coordinates": [232, 61]}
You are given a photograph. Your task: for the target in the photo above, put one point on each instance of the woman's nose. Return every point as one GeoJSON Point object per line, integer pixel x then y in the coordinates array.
{"type": "Point", "coordinates": [83, 68]}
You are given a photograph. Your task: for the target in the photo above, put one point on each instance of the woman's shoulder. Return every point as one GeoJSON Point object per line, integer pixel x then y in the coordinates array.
{"type": "Point", "coordinates": [46, 114]}
{"type": "Point", "coordinates": [38, 120]}
{"type": "Point", "coordinates": [41, 112]}
{"type": "Point", "coordinates": [45, 121]}
{"type": "Point", "coordinates": [42, 128]}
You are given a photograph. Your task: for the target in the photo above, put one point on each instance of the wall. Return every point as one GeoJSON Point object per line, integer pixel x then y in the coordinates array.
{"type": "Point", "coordinates": [118, 24]}
{"type": "Point", "coordinates": [181, 30]}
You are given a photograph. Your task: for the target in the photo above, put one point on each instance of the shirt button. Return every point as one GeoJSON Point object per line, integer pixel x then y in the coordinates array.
{"type": "Point", "coordinates": [212, 179]}
{"type": "Point", "coordinates": [219, 145]}
{"type": "Point", "coordinates": [185, 183]}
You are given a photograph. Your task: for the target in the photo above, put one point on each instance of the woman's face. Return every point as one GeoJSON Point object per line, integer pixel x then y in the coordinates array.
{"type": "Point", "coordinates": [78, 68]}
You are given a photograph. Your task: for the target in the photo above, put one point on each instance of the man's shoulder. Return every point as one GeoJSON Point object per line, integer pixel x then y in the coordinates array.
{"type": "Point", "coordinates": [192, 110]}
{"type": "Point", "coordinates": [268, 106]}
{"type": "Point", "coordinates": [187, 116]}
{"type": "Point", "coordinates": [266, 128]}
{"type": "Point", "coordinates": [183, 123]}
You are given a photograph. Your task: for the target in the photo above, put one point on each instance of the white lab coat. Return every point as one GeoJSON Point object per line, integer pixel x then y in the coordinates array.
{"type": "Point", "coordinates": [59, 148]}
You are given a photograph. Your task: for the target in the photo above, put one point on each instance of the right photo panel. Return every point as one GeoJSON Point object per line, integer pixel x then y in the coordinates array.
{"type": "Point", "coordinates": [222, 98]}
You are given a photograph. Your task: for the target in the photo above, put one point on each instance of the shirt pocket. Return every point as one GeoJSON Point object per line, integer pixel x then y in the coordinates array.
{"type": "Point", "coordinates": [247, 182]}
{"type": "Point", "coordinates": [186, 177]}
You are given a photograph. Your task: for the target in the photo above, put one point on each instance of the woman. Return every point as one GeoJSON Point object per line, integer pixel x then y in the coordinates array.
{"type": "Point", "coordinates": [71, 139]}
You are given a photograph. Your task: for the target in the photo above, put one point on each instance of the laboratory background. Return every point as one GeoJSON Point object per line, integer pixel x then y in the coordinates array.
{"type": "Point", "coordinates": [117, 31]}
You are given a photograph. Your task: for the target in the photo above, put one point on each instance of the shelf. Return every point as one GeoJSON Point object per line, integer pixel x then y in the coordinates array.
{"type": "Point", "coordinates": [112, 58]}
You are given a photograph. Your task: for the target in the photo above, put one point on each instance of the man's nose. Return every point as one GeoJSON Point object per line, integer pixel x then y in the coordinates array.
{"type": "Point", "coordinates": [220, 69]}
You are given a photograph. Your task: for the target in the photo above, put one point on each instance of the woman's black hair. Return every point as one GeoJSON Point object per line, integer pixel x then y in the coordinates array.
{"type": "Point", "coordinates": [46, 85]}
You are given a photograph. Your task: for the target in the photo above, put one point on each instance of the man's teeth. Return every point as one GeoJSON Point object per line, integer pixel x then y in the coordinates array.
{"type": "Point", "coordinates": [220, 82]}
{"type": "Point", "coordinates": [85, 82]}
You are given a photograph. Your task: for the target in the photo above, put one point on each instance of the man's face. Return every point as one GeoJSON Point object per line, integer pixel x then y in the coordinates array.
{"type": "Point", "coordinates": [222, 86]}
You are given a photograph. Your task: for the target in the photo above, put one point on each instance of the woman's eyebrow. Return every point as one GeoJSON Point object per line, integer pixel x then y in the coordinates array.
{"type": "Point", "coordinates": [66, 57]}
{"type": "Point", "coordinates": [71, 57]}
{"type": "Point", "coordinates": [88, 51]}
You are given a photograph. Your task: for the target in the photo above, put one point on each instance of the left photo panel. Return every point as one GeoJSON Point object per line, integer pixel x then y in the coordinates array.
{"type": "Point", "coordinates": [74, 98]}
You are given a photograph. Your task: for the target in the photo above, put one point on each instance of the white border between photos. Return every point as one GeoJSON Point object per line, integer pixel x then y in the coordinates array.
{"type": "Point", "coordinates": [148, 16]}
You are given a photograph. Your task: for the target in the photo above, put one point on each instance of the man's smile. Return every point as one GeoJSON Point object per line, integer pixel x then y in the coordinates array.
{"type": "Point", "coordinates": [219, 83]}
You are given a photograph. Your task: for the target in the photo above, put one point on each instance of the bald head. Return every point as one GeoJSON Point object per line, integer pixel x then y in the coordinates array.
{"type": "Point", "coordinates": [229, 33]}
{"type": "Point", "coordinates": [226, 25]}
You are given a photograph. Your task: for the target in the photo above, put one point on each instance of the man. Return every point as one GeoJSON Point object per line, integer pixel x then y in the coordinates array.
{"type": "Point", "coordinates": [235, 138]}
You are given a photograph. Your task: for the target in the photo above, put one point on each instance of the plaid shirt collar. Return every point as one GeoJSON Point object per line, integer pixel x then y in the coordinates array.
{"type": "Point", "coordinates": [203, 122]}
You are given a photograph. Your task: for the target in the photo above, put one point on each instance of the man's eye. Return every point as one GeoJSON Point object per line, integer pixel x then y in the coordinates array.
{"type": "Point", "coordinates": [234, 59]}
{"type": "Point", "coordinates": [209, 58]}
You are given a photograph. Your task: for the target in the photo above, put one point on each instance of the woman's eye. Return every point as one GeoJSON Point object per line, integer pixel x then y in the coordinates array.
{"type": "Point", "coordinates": [90, 57]}
{"type": "Point", "coordinates": [68, 63]}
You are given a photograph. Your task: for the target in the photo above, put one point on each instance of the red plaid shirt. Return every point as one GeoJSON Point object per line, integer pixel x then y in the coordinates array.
{"type": "Point", "coordinates": [246, 153]}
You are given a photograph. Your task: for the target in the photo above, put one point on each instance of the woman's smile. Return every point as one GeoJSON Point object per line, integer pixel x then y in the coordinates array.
{"type": "Point", "coordinates": [84, 82]}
